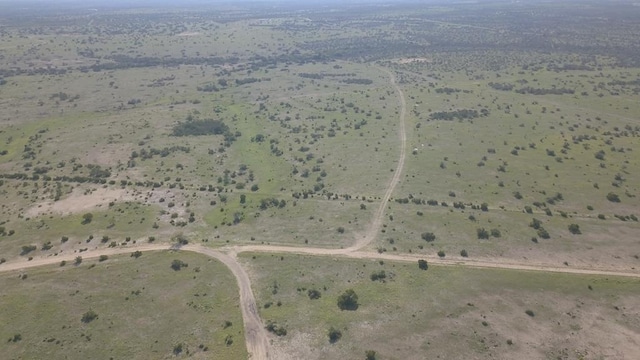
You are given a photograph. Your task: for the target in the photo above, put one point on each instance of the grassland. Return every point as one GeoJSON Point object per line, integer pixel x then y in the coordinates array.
{"type": "Point", "coordinates": [144, 309]}
{"type": "Point", "coordinates": [446, 312]}
{"type": "Point", "coordinates": [521, 127]}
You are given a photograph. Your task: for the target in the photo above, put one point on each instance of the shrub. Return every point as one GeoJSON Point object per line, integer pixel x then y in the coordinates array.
{"type": "Point", "coordinates": [613, 197]}
{"type": "Point", "coordinates": [464, 253]}
{"type": "Point", "coordinates": [535, 223]}
{"type": "Point", "coordinates": [348, 300]}
{"type": "Point", "coordinates": [530, 313]}
{"type": "Point", "coordinates": [378, 275]}
{"type": "Point", "coordinates": [177, 265]}
{"type": "Point", "coordinates": [89, 316]}
{"type": "Point", "coordinates": [441, 254]}
{"type": "Point", "coordinates": [428, 236]}
{"type": "Point", "coordinates": [482, 233]}
{"type": "Point", "coordinates": [78, 260]}
{"type": "Point", "coordinates": [542, 233]}
{"type": "Point", "coordinates": [370, 355]}
{"type": "Point", "coordinates": [276, 329]}
{"type": "Point", "coordinates": [574, 229]}
{"type": "Point", "coordinates": [334, 335]}
{"type": "Point", "coordinates": [87, 218]}
{"type": "Point", "coordinates": [27, 249]}
{"type": "Point", "coordinates": [136, 254]}
{"type": "Point", "coordinates": [422, 264]}
{"type": "Point", "coordinates": [103, 258]}
{"type": "Point", "coordinates": [495, 233]}
{"type": "Point", "coordinates": [314, 294]}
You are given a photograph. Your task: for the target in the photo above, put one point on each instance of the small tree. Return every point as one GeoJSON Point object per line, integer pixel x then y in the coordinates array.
{"type": "Point", "coordinates": [103, 258]}
{"type": "Point", "coordinates": [464, 253]}
{"type": "Point", "coordinates": [348, 300]}
{"type": "Point", "coordinates": [441, 254]}
{"type": "Point", "coordinates": [136, 254]}
{"type": "Point", "coordinates": [78, 260]}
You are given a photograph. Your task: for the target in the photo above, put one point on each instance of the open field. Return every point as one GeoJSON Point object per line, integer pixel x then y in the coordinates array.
{"type": "Point", "coordinates": [491, 137]}
{"type": "Point", "coordinates": [144, 308]}
{"type": "Point", "coordinates": [445, 312]}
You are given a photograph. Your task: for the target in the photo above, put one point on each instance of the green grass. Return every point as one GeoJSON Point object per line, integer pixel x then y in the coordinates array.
{"type": "Point", "coordinates": [144, 309]}
{"type": "Point", "coordinates": [438, 312]}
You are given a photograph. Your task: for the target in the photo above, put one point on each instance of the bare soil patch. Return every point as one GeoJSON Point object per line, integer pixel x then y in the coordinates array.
{"type": "Point", "coordinates": [80, 200]}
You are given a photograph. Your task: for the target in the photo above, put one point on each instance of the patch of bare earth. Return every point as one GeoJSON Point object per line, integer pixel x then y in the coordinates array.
{"type": "Point", "coordinates": [109, 155]}
{"type": "Point", "coordinates": [80, 200]}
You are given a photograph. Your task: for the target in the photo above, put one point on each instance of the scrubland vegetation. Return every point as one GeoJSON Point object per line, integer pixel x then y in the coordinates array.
{"type": "Point", "coordinates": [283, 124]}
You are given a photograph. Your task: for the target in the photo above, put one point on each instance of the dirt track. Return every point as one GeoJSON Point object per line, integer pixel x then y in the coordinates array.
{"type": "Point", "coordinates": [376, 222]}
{"type": "Point", "coordinates": [256, 337]}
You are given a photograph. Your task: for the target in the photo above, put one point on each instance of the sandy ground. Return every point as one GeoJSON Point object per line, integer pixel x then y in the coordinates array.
{"type": "Point", "coordinates": [80, 201]}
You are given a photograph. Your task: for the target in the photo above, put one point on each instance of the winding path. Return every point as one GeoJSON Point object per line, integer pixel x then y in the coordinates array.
{"type": "Point", "coordinates": [256, 337]}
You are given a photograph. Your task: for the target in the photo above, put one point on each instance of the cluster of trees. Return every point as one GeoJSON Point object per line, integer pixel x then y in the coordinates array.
{"type": "Point", "coordinates": [358, 81]}
{"type": "Point", "coordinates": [447, 90]}
{"type": "Point", "coordinates": [485, 234]}
{"type": "Point", "coordinates": [164, 152]}
{"type": "Point", "coordinates": [193, 127]}
{"type": "Point", "coordinates": [501, 86]}
{"type": "Point", "coordinates": [541, 91]}
{"type": "Point", "coordinates": [461, 114]}
{"type": "Point", "coordinates": [271, 202]}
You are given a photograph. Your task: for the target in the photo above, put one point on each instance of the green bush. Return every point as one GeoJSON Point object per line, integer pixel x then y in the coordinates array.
{"type": "Point", "coordinates": [574, 229]}
{"type": "Point", "coordinates": [613, 197]}
{"type": "Point", "coordinates": [378, 275]}
{"type": "Point", "coordinates": [89, 316]}
{"type": "Point", "coordinates": [334, 335]}
{"type": "Point", "coordinates": [348, 300]}
{"type": "Point", "coordinates": [422, 264]}
{"type": "Point", "coordinates": [428, 236]}
{"type": "Point", "coordinates": [177, 265]}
